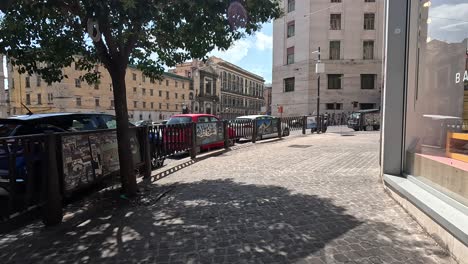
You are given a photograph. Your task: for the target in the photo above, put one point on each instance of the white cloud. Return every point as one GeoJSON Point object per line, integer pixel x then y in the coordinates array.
{"type": "Point", "coordinates": [240, 49]}
{"type": "Point", "coordinates": [263, 41]}
{"type": "Point", "coordinates": [235, 53]}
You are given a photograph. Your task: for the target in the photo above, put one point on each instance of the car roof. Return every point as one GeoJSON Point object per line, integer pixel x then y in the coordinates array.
{"type": "Point", "coordinates": [46, 115]}
{"type": "Point", "coordinates": [368, 111]}
{"type": "Point", "coordinates": [193, 115]}
{"type": "Point", "coordinates": [251, 116]}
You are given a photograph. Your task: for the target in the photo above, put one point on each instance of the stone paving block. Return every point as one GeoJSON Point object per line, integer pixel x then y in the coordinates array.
{"type": "Point", "coordinates": [267, 203]}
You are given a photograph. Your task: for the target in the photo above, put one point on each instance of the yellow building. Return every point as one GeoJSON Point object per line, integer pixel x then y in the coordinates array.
{"type": "Point", "coordinates": [146, 100]}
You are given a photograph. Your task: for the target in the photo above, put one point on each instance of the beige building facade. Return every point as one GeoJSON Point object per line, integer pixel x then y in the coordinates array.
{"type": "Point", "coordinates": [350, 37]}
{"type": "Point", "coordinates": [146, 100]}
{"type": "Point", "coordinates": [222, 88]}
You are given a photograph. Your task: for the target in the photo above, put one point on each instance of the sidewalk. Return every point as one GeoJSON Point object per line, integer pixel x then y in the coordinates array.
{"type": "Point", "coordinates": [305, 199]}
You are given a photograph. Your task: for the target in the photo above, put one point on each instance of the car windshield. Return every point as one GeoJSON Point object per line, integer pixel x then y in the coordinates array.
{"type": "Point", "coordinates": [7, 129]}
{"type": "Point", "coordinates": [179, 120]}
{"type": "Point", "coordinates": [355, 115]}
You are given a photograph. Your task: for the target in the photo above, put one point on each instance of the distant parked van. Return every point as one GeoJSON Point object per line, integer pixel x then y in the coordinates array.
{"type": "Point", "coordinates": [365, 120]}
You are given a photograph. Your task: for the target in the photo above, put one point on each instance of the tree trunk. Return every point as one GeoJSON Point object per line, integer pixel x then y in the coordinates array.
{"type": "Point", "coordinates": [127, 172]}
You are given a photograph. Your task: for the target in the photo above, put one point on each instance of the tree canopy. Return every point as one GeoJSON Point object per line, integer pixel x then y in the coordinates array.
{"type": "Point", "coordinates": [43, 36]}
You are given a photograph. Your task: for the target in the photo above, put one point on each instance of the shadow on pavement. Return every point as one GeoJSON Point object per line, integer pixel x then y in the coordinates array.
{"type": "Point", "coordinates": [217, 221]}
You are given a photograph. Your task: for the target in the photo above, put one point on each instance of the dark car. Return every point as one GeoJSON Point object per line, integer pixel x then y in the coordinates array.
{"type": "Point", "coordinates": [38, 124]}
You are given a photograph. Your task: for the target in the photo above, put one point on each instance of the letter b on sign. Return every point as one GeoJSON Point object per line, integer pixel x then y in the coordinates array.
{"type": "Point", "coordinates": [457, 78]}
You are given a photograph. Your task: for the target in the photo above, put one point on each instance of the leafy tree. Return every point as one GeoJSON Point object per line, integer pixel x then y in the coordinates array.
{"type": "Point", "coordinates": [43, 36]}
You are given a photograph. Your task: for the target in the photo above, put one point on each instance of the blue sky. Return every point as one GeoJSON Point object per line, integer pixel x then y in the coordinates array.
{"type": "Point", "coordinates": [253, 53]}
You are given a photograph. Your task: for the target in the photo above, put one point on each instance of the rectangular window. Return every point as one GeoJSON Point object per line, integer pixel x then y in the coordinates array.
{"type": "Point", "coordinates": [335, 21]}
{"type": "Point", "coordinates": [134, 76]}
{"type": "Point", "coordinates": [336, 1]}
{"type": "Point", "coordinates": [152, 105]}
{"type": "Point", "coordinates": [167, 106]}
{"type": "Point", "coordinates": [28, 99]}
{"type": "Point", "coordinates": [369, 21]}
{"type": "Point", "coordinates": [77, 83]}
{"type": "Point", "coordinates": [291, 5]}
{"type": "Point", "coordinates": [160, 106]}
{"type": "Point", "coordinates": [151, 92]}
{"type": "Point", "coordinates": [367, 81]}
{"type": "Point", "coordinates": [134, 89]}
{"type": "Point", "coordinates": [38, 80]}
{"type": "Point", "coordinates": [366, 106]}
{"type": "Point", "coordinates": [50, 97]}
{"type": "Point", "coordinates": [177, 107]}
{"type": "Point", "coordinates": [160, 93]}
{"type": "Point", "coordinates": [28, 82]}
{"type": "Point", "coordinates": [96, 102]}
{"type": "Point", "coordinates": [144, 104]}
{"type": "Point", "coordinates": [78, 101]}
{"type": "Point", "coordinates": [183, 85]}
{"type": "Point", "coordinates": [291, 29]}
{"type": "Point", "coordinates": [167, 82]}
{"type": "Point", "coordinates": [368, 50]}
{"type": "Point", "coordinates": [290, 55]}
{"type": "Point", "coordinates": [176, 84]}
{"type": "Point", "coordinates": [167, 95]}
{"type": "Point", "coordinates": [112, 104]}
{"type": "Point", "coordinates": [39, 99]}
{"type": "Point", "coordinates": [135, 104]}
{"type": "Point", "coordinates": [334, 81]}
{"type": "Point", "coordinates": [176, 96]}
{"type": "Point", "coordinates": [289, 84]}
{"type": "Point", "coordinates": [183, 96]}
{"type": "Point", "coordinates": [335, 50]}
{"type": "Point", "coordinates": [334, 106]}
{"type": "Point", "coordinates": [143, 91]}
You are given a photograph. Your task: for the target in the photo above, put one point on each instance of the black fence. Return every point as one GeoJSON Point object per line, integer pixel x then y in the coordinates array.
{"type": "Point", "coordinates": [39, 171]}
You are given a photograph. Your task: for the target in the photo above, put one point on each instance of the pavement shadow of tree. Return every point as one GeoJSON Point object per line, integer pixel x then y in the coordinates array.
{"type": "Point", "coordinates": [217, 221]}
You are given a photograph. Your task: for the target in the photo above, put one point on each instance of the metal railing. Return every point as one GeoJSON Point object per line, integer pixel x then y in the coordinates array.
{"type": "Point", "coordinates": [39, 171]}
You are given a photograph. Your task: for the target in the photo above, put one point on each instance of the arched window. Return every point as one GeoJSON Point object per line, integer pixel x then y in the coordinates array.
{"type": "Point", "coordinates": [191, 96]}
{"type": "Point", "coordinates": [242, 85]}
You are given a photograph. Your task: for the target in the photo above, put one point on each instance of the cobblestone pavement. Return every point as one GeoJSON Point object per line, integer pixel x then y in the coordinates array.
{"type": "Point", "coordinates": [306, 199]}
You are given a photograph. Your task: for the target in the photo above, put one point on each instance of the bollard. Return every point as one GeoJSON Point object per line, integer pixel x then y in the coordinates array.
{"type": "Point", "coordinates": [226, 134]}
{"type": "Point", "coordinates": [304, 125]}
{"type": "Point", "coordinates": [52, 213]}
{"type": "Point", "coordinates": [278, 126]}
{"type": "Point", "coordinates": [147, 152]}
{"type": "Point", "coordinates": [254, 130]}
{"type": "Point", "coordinates": [193, 150]}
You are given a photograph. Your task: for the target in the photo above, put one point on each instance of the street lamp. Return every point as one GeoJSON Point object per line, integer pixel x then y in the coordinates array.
{"type": "Point", "coordinates": [319, 68]}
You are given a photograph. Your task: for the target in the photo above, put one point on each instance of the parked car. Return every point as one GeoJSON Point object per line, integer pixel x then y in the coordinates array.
{"type": "Point", "coordinates": [365, 120]}
{"type": "Point", "coordinates": [266, 126]}
{"type": "Point", "coordinates": [144, 123]}
{"type": "Point", "coordinates": [207, 141]}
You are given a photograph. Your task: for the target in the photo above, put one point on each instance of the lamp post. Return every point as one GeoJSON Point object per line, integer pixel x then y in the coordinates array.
{"type": "Point", "coordinates": [319, 68]}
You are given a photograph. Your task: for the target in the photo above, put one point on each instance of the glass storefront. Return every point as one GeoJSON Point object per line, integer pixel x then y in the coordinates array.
{"type": "Point", "coordinates": [436, 140]}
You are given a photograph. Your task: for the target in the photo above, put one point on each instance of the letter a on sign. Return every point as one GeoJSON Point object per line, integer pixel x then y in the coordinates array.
{"type": "Point", "coordinates": [465, 78]}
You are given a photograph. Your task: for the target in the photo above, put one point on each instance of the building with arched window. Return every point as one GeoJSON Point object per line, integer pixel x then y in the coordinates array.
{"type": "Point", "coordinates": [223, 89]}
